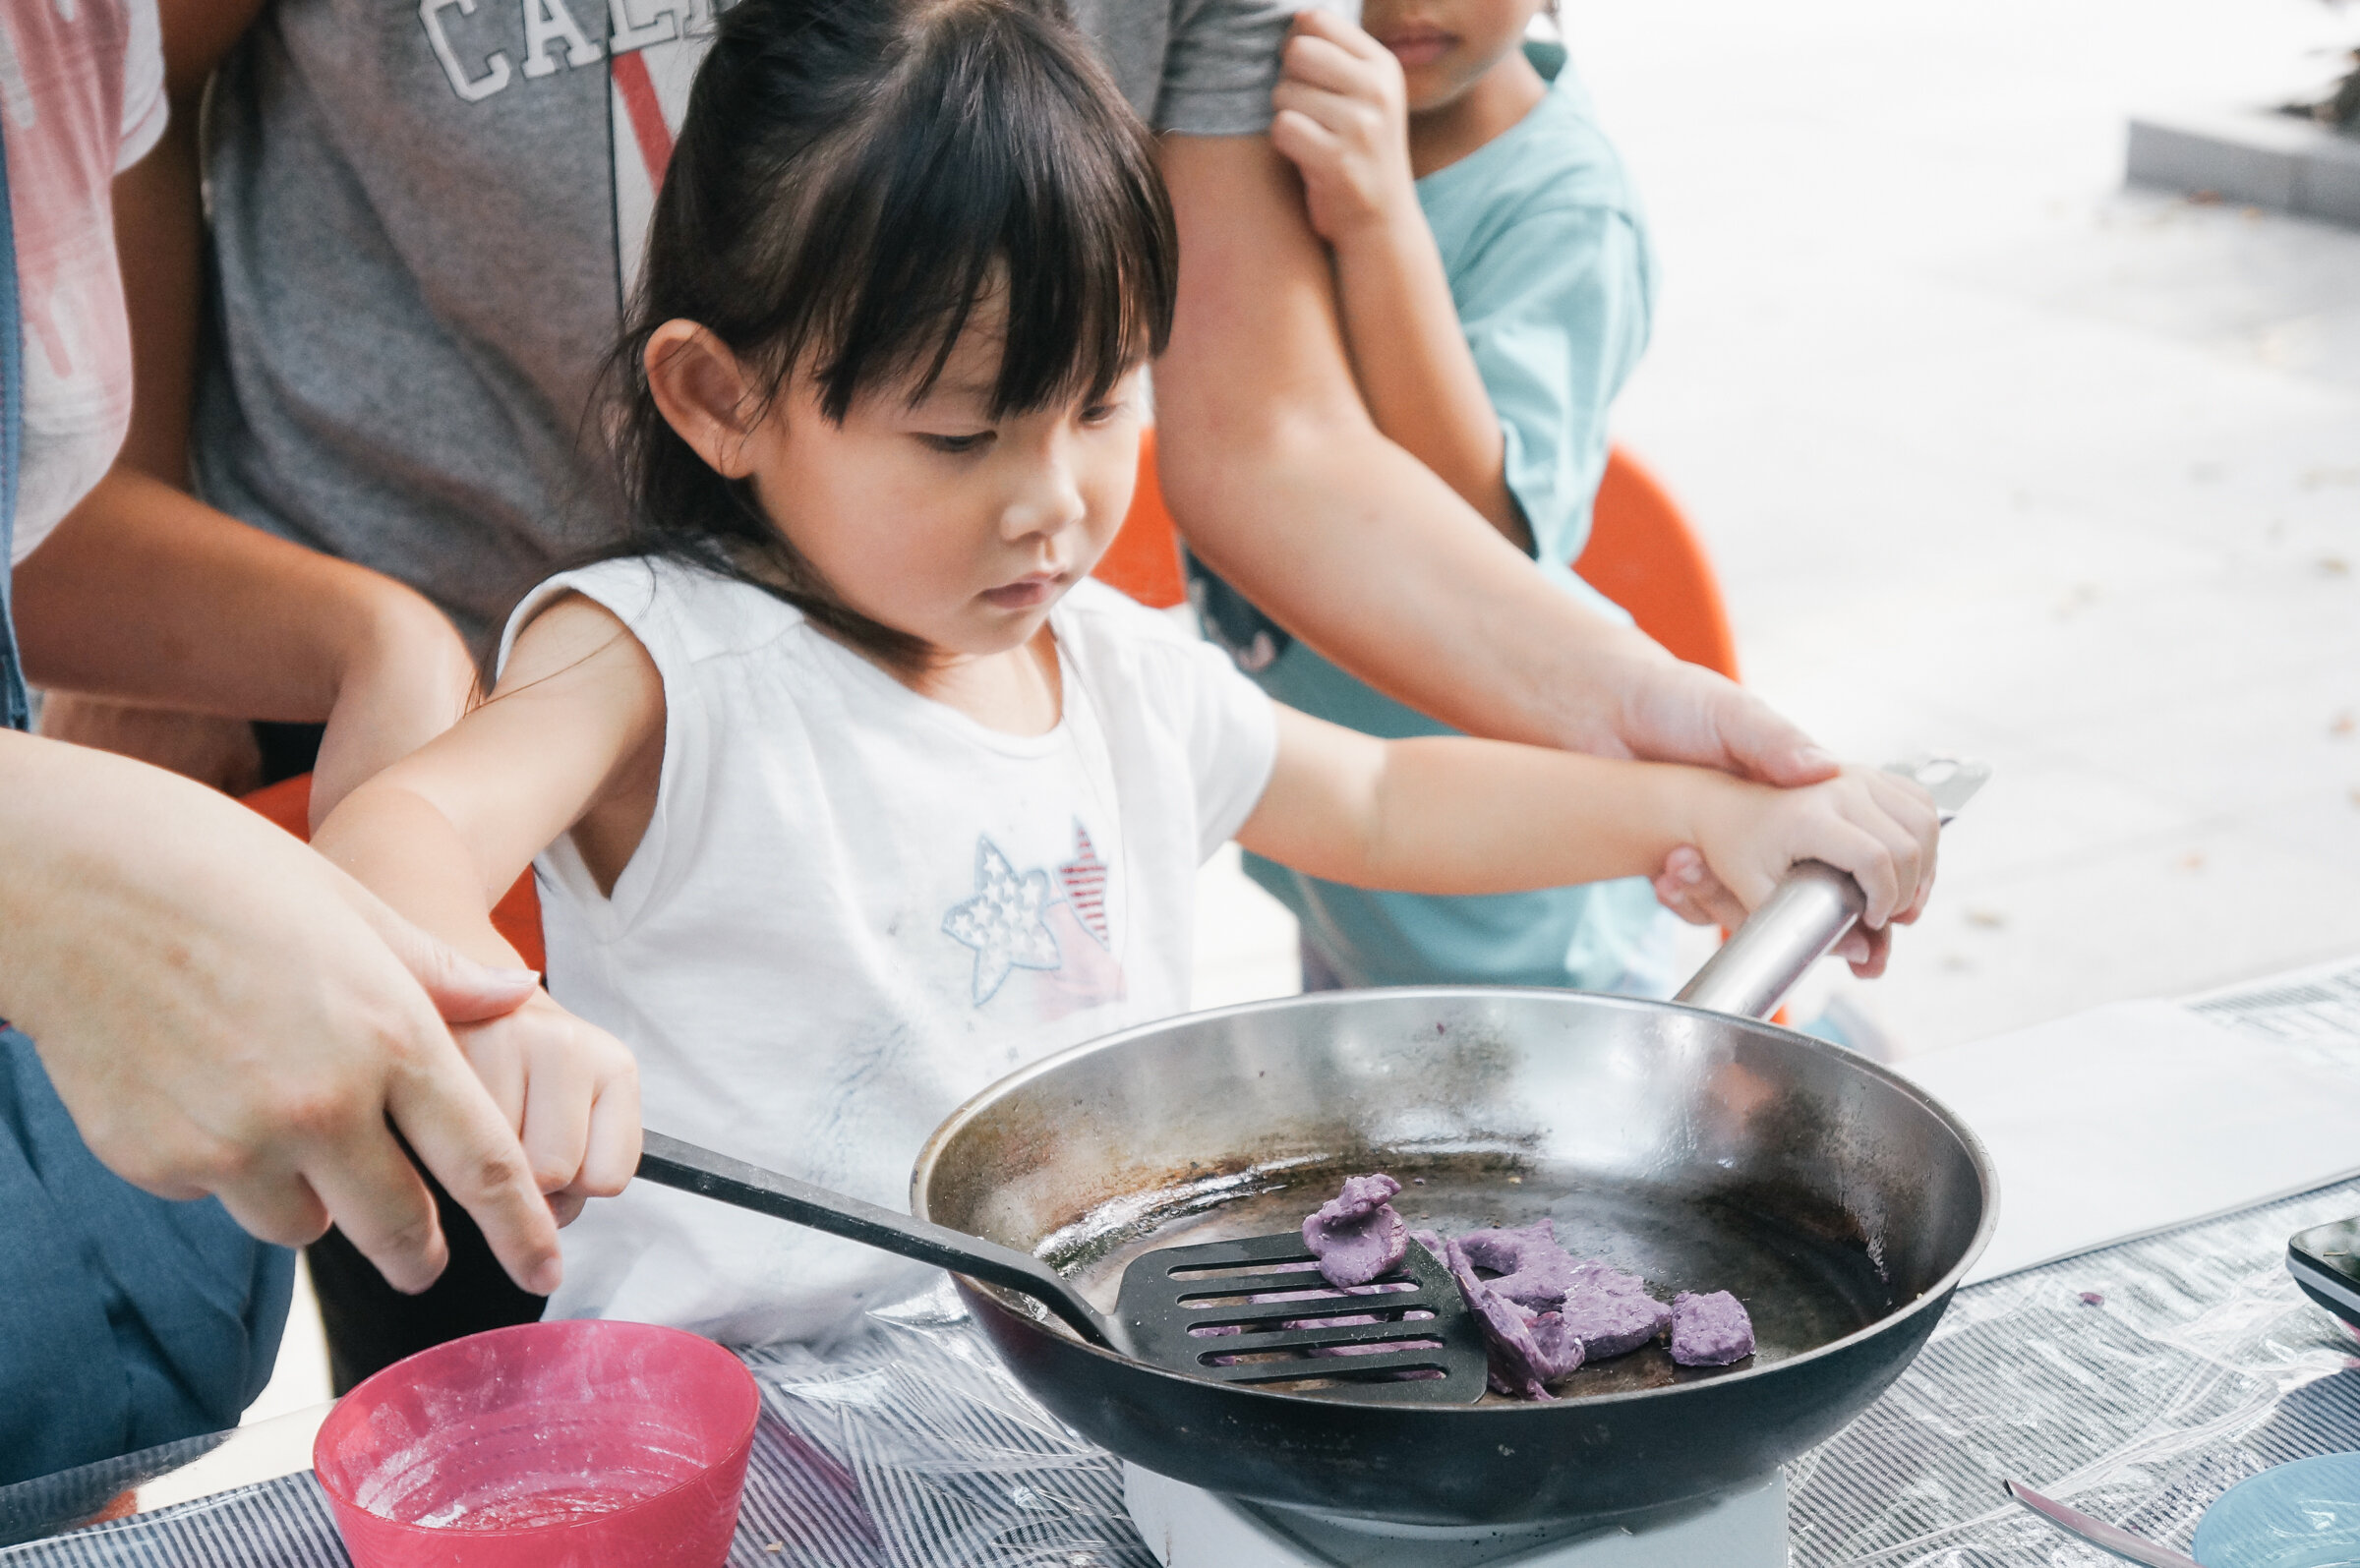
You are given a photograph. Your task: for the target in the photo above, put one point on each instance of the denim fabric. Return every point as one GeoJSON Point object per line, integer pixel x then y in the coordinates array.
{"type": "Point", "coordinates": [14, 713]}
{"type": "Point", "coordinates": [125, 1320]}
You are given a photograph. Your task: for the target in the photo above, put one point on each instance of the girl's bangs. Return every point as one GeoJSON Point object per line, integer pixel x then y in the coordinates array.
{"type": "Point", "coordinates": [1019, 189]}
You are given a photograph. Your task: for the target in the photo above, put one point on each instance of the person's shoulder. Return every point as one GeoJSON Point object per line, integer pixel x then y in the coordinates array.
{"type": "Point", "coordinates": [701, 610]}
{"type": "Point", "coordinates": [1556, 162]}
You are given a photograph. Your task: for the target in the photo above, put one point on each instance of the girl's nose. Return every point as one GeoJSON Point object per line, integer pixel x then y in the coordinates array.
{"type": "Point", "coordinates": [1048, 500]}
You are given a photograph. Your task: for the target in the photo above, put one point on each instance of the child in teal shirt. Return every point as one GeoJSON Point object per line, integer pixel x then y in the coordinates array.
{"type": "Point", "coordinates": [1496, 282]}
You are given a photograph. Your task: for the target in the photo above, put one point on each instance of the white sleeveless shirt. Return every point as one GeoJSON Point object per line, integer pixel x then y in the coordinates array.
{"type": "Point", "coordinates": [854, 906]}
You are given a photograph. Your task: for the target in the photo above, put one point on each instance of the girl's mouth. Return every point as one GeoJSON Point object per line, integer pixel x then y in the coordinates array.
{"type": "Point", "coordinates": [1029, 591]}
{"type": "Point", "coordinates": [1417, 47]}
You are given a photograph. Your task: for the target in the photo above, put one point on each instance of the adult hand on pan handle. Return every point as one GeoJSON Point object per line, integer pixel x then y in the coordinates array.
{"type": "Point", "coordinates": [1808, 911]}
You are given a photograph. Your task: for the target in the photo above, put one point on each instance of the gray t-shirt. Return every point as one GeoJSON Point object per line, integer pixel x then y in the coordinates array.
{"type": "Point", "coordinates": [423, 221]}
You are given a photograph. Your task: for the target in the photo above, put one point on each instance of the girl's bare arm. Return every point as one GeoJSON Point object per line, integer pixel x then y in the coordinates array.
{"type": "Point", "coordinates": [1451, 815]}
{"type": "Point", "coordinates": [571, 741]}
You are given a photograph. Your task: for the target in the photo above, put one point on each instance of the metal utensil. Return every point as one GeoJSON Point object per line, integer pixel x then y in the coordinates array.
{"type": "Point", "coordinates": [1232, 1313]}
{"type": "Point", "coordinates": [672, 1162]}
{"type": "Point", "coordinates": [1808, 913]}
{"type": "Point", "coordinates": [1252, 1312]}
{"type": "Point", "coordinates": [2097, 1532]}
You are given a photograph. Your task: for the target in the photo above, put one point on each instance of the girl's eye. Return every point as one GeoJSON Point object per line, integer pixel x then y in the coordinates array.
{"type": "Point", "coordinates": [958, 443]}
{"type": "Point", "coordinates": [1100, 413]}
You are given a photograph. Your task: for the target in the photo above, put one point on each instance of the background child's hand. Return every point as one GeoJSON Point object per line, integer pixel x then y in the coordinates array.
{"type": "Point", "coordinates": [1343, 122]}
{"type": "Point", "coordinates": [1881, 827]}
{"type": "Point", "coordinates": [571, 1091]}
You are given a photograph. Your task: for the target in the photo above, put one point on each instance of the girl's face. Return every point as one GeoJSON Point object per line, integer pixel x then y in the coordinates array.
{"type": "Point", "coordinates": [937, 520]}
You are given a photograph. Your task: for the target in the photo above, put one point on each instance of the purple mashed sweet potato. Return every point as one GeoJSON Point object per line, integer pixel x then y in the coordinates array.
{"type": "Point", "coordinates": [1524, 1351]}
{"type": "Point", "coordinates": [1611, 1310]}
{"type": "Point", "coordinates": [1358, 1236]}
{"type": "Point", "coordinates": [1710, 1330]}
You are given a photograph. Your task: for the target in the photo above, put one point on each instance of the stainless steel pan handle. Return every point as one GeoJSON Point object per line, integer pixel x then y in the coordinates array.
{"type": "Point", "coordinates": [1808, 913]}
{"type": "Point", "coordinates": [1754, 969]}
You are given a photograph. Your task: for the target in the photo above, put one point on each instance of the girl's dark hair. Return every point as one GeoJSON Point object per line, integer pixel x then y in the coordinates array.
{"type": "Point", "coordinates": [852, 176]}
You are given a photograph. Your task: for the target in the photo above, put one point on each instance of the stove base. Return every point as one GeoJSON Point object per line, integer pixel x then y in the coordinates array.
{"type": "Point", "coordinates": [1186, 1528]}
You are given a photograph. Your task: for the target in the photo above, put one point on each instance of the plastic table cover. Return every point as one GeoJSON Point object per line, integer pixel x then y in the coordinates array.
{"type": "Point", "coordinates": [2138, 1382]}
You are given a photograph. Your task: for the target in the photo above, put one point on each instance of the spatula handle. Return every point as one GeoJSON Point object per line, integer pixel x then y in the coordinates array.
{"type": "Point", "coordinates": [669, 1162]}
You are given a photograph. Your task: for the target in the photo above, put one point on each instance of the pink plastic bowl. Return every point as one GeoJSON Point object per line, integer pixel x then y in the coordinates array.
{"type": "Point", "coordinates": [561, 1445]}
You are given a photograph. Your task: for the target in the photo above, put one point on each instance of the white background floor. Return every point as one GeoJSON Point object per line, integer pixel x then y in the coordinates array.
{"type": "Point", "coordinates": [1996, 458]}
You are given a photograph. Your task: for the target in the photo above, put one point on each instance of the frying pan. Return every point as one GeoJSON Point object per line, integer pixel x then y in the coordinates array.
{"type": "Point", "coordinates": [1699, 1149]}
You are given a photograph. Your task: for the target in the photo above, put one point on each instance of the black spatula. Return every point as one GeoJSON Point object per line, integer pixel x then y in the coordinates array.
{"type": "Point", "coordinates": [1191, 1309]}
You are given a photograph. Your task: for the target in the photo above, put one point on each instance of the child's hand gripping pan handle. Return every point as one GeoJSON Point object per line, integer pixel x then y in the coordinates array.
{"type": "Point", "coordinates": [1809, 912]}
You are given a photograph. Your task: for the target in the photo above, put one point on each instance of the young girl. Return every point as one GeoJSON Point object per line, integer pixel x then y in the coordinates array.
{"type": "Point", "coordinates": [848, 792]}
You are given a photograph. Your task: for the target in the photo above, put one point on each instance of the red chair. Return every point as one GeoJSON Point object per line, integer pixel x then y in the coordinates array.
{"type": "Point", "coordinates": [1644, 557]}
{"type": "Point", "coordinates": [1143, 561]}
{"type": "Point", "coordinates": [517, 916]}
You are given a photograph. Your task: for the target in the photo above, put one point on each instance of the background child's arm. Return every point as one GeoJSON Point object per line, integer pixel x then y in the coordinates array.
{"type": "Point", "coordinates": [1451, 815]}
{"type": "Point", "coordinates": [572, 737]}
{"type": "Point", "coordinates": [1342, 123]}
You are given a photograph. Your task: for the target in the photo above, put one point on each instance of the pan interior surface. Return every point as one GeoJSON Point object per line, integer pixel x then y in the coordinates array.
{"type": "Point", "coordinates": [1803, 1291]}
{"type": "Point", "coordinates": [1699, 1151]}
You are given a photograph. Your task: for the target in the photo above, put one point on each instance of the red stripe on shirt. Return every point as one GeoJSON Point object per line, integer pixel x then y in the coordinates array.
{"type": "Point", "coordinates": [639, 101]}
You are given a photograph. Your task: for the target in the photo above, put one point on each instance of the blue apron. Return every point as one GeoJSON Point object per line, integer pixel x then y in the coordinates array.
{"type": "Point", "coordinates": [125, 1320]}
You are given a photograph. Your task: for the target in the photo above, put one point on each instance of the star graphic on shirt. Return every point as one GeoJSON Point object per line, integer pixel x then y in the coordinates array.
{"type": "Point", "coordinates": [1003, 921]}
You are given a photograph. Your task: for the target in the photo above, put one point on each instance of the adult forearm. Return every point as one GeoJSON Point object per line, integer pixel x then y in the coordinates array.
{"type": "Point", "coordinates": [147, 595]}
{"type": "Point", "coordinates": [1414, 370]}
{"type": "Point", "coordinates": [1363, 552]}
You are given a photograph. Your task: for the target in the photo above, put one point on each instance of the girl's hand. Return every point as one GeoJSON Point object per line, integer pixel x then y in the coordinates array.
{"type": "Point", "coordinates": [1877, 826]}
{"type": "Point", "coordinates": [570, 1090]}
{"type": "Point", "coordinates": [1343, 122]}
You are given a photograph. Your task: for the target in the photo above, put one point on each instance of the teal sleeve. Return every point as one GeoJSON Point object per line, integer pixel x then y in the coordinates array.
{"type": "Point", "coordinates": [1556, 310]}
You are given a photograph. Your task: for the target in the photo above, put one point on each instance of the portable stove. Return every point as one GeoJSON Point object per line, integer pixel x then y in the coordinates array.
{"type": "Point", "coordinates": [1187, 1528]}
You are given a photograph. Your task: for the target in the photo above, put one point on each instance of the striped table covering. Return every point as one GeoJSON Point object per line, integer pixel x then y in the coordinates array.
{"type": "Point", "coordinates": [2139, 1382]}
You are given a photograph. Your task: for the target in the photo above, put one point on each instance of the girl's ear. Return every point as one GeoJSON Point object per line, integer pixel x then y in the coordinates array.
{"type": "Point", "coordinates": [703, 393]}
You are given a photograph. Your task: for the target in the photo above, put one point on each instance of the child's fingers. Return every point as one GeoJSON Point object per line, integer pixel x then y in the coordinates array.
{"type": "Point", "coordinates": [1904, 854]}
{"type": "Point", "coordinates": [1305, 142]}
{"type": "Point", "coordinates": [1866, 951]}
{"type": "Point", "coordinates": [557, 1117]}
{"type": "Point", "coordinates": [1916, 811]}
{"type": "Point", "coordinates": [612, 1156]}
{"type": "Point", "coordinates": [497, 1051]}
{"type": "Point", "coordinates": [1316, 63]}
{"type": "Point", "coordinates": [1851, 848]}
{"type": "Point", "coordinates": [1343, 117]}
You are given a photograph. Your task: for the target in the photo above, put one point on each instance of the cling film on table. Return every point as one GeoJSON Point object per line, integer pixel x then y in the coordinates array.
{"type": "Point", "coordinates": [2137, 1383]}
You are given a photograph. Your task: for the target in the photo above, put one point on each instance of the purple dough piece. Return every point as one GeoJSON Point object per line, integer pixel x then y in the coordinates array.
{"type": "Point", "coordinates": [1546, 1275]}
{"type": "Point", "coordinates": [1710, 1330]}
{"type": "Point", "coordinates": [1433, 1241]}
{"type": "Point", "coordinates": [1522, 1350]}
{"type": "Point", "coordinates": [1358, 1236]}
{"type": "Point", "coordinates": [1611, 1310]}
{"type": "Point", "coordinates": [1503, 1251]}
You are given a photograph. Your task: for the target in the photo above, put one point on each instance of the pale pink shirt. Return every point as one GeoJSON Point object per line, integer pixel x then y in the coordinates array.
{"type": "Point", "coordinates": [82, 87]}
